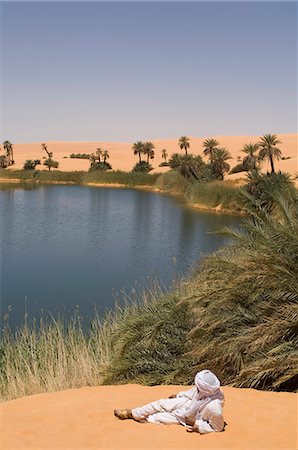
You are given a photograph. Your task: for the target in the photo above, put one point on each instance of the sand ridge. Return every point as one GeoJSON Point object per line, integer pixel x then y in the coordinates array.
{"type": "Point", "coordinates": [83, 418]}
{"type": "Point", "coordinates": [122, 157]}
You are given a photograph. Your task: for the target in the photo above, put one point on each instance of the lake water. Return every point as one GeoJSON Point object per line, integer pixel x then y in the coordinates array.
{"type": "Point", "coordinates": [63, 246]}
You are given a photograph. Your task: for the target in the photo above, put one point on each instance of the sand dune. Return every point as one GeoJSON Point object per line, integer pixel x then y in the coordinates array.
{"type": "Point", "coordinates": [83, 418]}
{"type": "Point", "coordinates": [122, 157]}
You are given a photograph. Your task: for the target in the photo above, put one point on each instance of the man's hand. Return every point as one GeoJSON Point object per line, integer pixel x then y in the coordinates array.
{"type": "Point", "coordinates": [189, 421]}
{"type": "Point", "coordinates": [173, 396]}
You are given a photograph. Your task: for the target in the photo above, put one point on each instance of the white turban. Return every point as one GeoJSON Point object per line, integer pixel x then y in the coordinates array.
{"type": "Point", "coordinates": [207, 383]}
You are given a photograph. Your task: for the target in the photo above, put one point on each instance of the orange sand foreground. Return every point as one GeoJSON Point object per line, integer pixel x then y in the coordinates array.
{"type": "Point", "coordinates": [122, 157]}
{"type": "Point", "coordinates": [83, 418]}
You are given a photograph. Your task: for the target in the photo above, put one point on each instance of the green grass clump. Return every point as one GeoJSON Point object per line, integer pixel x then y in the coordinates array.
{"type": "Point", "coordinates": [214, 193]}
{"type": "Point", "coordinates": [173, 182]}
{"type": "Point", "coordinates": [152, 342]}
{"type": "Point", "coordinates": [210, 194]}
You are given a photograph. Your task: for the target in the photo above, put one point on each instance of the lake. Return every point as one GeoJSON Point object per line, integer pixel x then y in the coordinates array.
{"type": "Point", "coordinates": [63, 246]}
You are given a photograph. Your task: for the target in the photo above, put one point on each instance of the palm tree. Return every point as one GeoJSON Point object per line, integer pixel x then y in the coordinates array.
{"type": "Point", "coordinates": [8, 147]}
{"type": "Point", "coordinates": [269, 150]}
{"type": "Point", "coordinates": [184, 143]}
{"type": "Point", "coordinates": [251, 159]}
{"type": "Point", "coordinates": [209, 146]}
{"type": "Point", "coordinates": [148, 149]}
{"type": "Point", "coordinates": [164, 154]}
{"type": "Point", "coordinates": [138, 149]}
{"type": "Point", "coordinates": [105, 155]}
{"type": "Point", "coordinates": [187, 165]}
{"type": "Point", "coordinates": [49, 162]}
{"type": "Point", "coordinates": [99, 153]}
{"type": "Point", "coordinates": [219, 164]}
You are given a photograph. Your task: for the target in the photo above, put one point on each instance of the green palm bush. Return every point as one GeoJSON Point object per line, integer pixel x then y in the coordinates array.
{"type": "Point", "coordinates": [245, 302]}
{"type": "Point", "coordinates": [152, 341]}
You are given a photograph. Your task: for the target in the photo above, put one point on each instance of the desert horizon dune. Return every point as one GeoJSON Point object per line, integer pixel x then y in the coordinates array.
{"type": "Point", "coordinates": [83, 418]}
{"type": "Point", "coordinates": [122, 157]}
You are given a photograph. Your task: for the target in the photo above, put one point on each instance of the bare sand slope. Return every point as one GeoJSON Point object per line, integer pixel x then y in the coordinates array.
{"type": "Point", "coordinates": [83, 418]}
{"type": "Point", "coordinates": [122, 157]}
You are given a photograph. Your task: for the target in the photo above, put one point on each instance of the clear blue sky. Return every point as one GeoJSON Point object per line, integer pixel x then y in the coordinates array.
{"type": "Point", "coordinates": [127, 71]}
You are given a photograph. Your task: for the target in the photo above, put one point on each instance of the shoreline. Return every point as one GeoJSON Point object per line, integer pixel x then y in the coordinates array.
{"type": "Point", "coordinates": [148, 188]}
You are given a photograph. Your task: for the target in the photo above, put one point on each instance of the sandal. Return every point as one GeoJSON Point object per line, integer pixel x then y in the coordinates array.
{"type": "Point", "coordinates": [123, 414]}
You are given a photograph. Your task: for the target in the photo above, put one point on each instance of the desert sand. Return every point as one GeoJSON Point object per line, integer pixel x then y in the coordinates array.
{"type": "Point", "coordinates": [83, 418]}
{"type": "Point", "coordinates": [122, 157]}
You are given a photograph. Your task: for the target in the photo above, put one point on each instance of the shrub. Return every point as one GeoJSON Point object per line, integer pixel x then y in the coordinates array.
{"type": "Point", "coordinates": [102, 166]}
{"type": "Point", "coordinates": [4, 162]}
{"type": "Point", "coordinates": [142, 166]}
{"type": "Point", "coordinates": [30, 164]}
{"type": "Point", "coordinates": [51, 164]}
{"type": "Point", "coordinates": [80, 156]}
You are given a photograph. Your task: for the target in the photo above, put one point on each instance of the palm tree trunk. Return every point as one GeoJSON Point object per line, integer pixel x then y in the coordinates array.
{"type": "Point", "coordinates": [140, 157]}
{"type": "Point", "coordinates": [271, 163]}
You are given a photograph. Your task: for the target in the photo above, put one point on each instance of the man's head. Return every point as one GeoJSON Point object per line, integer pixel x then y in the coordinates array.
{"type": "Point", "coordinates": [207, 383]}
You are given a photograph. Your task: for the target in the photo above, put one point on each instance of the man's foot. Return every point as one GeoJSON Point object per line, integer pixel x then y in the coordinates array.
{"type": "Point", "coordinates": [123, 414]}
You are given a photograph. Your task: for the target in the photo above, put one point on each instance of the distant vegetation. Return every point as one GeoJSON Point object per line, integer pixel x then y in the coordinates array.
{"type": "Point", "coordinates": [30, 164]}
{"type": "Point", "coordinates": [99, 159]}
{"type": "Point", "coordinates": [143, 148]}
{"type": "Point", "coordinates": [204, 175]}
{"type": "Point", "coordinates": [80, 155]}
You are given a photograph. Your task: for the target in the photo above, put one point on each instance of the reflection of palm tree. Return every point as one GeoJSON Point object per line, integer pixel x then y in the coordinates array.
{"type": "Point", "coordinates": [138, 149]}
{"type": "Point", "coordinates": [219, 164]}
{"type": "Point", "coordinates": [209, 146]}
{"type": "Point", "coordinates": [148, 149]}
{"type": "Point", "coordinates": [184, 143]}
{"type": "Point", "coordinates": [269, 150]}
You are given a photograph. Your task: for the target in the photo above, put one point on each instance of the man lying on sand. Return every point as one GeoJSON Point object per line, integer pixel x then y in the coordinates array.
{"type": "Point", "coordinates": [199, 409]}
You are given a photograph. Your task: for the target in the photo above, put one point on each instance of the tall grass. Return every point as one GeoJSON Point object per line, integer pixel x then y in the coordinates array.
{"type": "Point", "coordinates": [215, 193]}
{"type": "Point", "coordinates": [210, 194]}
{"type": "Point", "coordinates": [59, 354]}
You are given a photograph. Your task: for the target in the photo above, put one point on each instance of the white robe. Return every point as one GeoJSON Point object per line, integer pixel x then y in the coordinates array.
{"type": "Point", "coordinates": [175, 410]}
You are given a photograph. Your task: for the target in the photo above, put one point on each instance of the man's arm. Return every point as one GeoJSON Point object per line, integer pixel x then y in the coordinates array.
{"type": "Point", "coordinates": [214, 423]}
{"type": "Point", "coordinates": [189, 394]}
